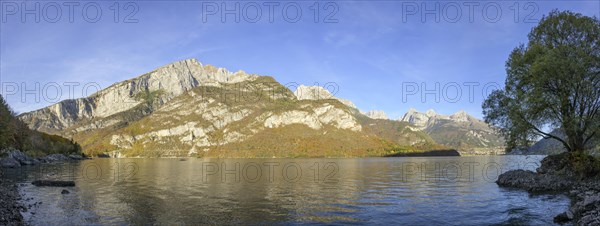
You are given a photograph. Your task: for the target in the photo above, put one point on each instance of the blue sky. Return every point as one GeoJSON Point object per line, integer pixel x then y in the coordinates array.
{"type": "Point", "coordinates": [376, 52]}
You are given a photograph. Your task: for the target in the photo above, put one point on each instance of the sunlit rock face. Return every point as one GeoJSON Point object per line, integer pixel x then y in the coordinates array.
{"type": "Point", "coordinates": [315, 119]}
{"type": "Point", "coordinates": [430, 118]}
{"type": "Point", "coordinates": [376, 114]}
{"type": "Point", "coordinates": [417, 119]}
{"type": "Point", "coordinates": [173, 79]}
{"type": "Point", "coordinates": [318, 93]}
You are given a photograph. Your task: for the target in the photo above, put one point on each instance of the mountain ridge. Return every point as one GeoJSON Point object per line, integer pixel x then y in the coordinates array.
{"type": "Point", "coordinates": [96, 104]}
{"type": "Point", "coordinates": [189, 109]}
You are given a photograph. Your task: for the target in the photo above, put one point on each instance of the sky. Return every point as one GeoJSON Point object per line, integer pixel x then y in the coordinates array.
{"type": "Point", "coordinates": [381, 55]}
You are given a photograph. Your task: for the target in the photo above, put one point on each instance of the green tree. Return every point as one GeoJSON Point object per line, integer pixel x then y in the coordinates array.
{"type": "Point", "coordinates": [6, 124]}
{"type": "Point", "coordinates": [149, 98]}
{"type": "Point", "coordinates": [553, 82]}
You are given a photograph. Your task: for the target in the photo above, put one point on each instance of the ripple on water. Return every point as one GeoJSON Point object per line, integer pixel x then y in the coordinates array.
{"type": "Point", "coordinates": [364, 191]}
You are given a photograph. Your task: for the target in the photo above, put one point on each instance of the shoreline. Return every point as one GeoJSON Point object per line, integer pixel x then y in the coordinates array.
{"type": "Point", "coordinates": [10, 208]}
{"type": "Point", "coordinates": [557, 175]}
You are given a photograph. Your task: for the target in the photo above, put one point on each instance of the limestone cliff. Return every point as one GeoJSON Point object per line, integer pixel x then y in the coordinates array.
{"type": "Point", "coordinates": [174, 79]}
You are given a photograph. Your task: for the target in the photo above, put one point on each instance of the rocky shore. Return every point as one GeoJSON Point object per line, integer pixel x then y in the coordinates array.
{"type": "Point", "coordinates": [15, 158]}
{"type": "Point", "coordinates": [575, 175]}
{"type": "Point", "coordinates": [10, 209]}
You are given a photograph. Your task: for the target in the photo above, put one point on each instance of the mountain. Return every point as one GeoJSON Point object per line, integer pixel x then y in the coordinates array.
{"type": "Point", "coordinates": [171, 80]}
{"type": "Point", "coordinates": [376, 114]}
{"type": "Point", "coordinates": [418, 120]}
{"type": "Point", "coordinates": [548, 146]}
{"type": "Point", "coordinates": [460, 130]}
{"type": "Point", "coordinates": [189, 109]}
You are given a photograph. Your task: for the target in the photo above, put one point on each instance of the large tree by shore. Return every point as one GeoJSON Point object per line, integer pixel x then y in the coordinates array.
{"type": "Point", "coordinates": [553, 82]}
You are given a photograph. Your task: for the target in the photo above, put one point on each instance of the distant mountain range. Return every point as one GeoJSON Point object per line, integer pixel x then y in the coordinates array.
{"type": "Point", "coordinates": [549, 146]}
{"type": "Point", "coordinates": [189, 109]}
{"type": "Point", "coordinates": [460, 130]}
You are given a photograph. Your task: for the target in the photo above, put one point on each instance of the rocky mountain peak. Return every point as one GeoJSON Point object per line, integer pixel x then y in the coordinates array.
{"type": "Point", "coordinates": [376, 114]}
{"type": "Point", "coordinates": [430, 113]}
{"type": "Point", "coordinates": [318, 93]}
{"type": "Point", "coordinates": [183, 63]}
{"type": "Point", "coordinates": [312, 93]}
{"type": "Point", "coordinates": [460, 116]}
{"type": "Point", "coordinates": [423, 120]}
{"type": "Point", "coordinates": [416, 118]}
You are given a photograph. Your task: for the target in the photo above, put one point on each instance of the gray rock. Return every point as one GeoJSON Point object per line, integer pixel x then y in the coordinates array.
{"type": "Point", "coordinates": [561, 218]}
{"type": "Point", "coordinates": [589, 200]}
{"type": "Point", "coordinates": [36, 161]}
{"type": "Point", "coordinates": [50, 183]}
{"type": "Point", "coordinates": [9, 163]}
{"type": "Point", "coordinates": [21, 157]}
{"type": "Point", "coordinates": [56, 157]}
{"type": "Point", "coordinates": [556, 174]}
{"type": "Point", "coordinates": [570, 214]}
{"type": "Point", "coordinates": [10, 207]}
{"type": "Point", "coordinates": [590, 219]}
{"type": "Point", "coordinates": [533, 182]}
{"type": "Point", "coordinates": [76, 157]}
{"type": "Point", "coordinates": [554, 164]}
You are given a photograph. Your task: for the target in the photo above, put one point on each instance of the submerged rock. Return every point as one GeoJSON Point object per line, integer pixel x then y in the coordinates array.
{"type": "Point", "coordinates": [50, 183]}
{"type": "Point", "coordinates": [56, 157]}
{"type": "Point", "coordinates": [21, 157]}
{"type": "Point", "coordinates": [9, 163]}
{"type": "Point", "coordinates": [76, 157]}
{"type": "Point", "coordinates": [64, 192]}
{"type": "Point", "coordinates": [562, 218]}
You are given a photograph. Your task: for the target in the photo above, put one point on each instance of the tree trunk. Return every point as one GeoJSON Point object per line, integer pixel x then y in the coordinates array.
{"type": "Point", "coordinates": [576, 142]}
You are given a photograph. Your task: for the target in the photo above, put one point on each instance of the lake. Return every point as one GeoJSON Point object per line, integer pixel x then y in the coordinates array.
{"type": "Point", "coordinates": [390, 191]}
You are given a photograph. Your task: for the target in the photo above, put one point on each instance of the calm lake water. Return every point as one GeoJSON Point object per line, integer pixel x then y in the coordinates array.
{"type": "Point", "coordinates": [390, 191]}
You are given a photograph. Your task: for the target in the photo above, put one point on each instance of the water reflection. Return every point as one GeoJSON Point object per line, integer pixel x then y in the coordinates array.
{"type": "Point", "coordinates": [433, 190]}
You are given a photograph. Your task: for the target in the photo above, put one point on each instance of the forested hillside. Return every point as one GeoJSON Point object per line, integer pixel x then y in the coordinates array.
{"type": "Point", "coordinates": [16, 135]}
